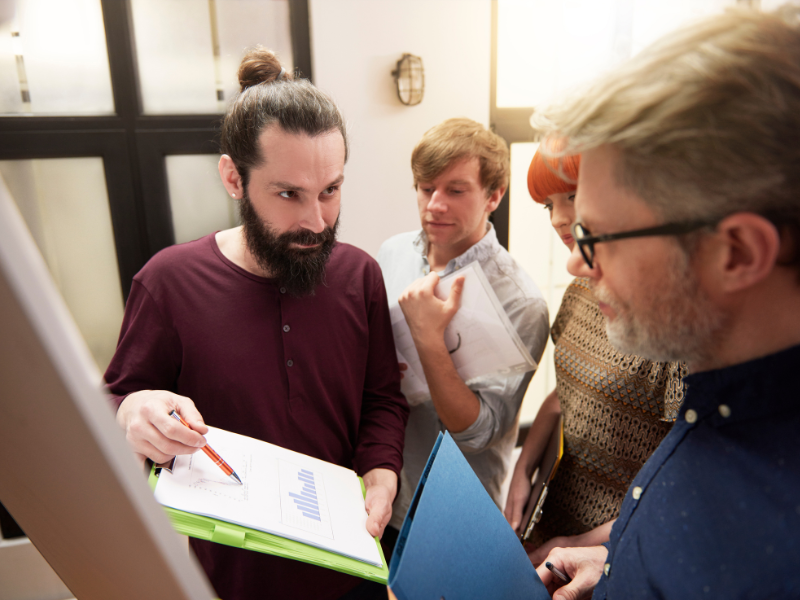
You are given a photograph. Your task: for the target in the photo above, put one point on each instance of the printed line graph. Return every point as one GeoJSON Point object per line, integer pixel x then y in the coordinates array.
{"type": "Point", "coordinates": [303, 501]}
{"type": "Point", "coordinates": [205, 475]}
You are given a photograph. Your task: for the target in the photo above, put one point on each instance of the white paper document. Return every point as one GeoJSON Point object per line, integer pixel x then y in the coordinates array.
{"type": "Point", "coordinates": [481, 339]}
{"type": "Point", "coordinates": [284, 493]}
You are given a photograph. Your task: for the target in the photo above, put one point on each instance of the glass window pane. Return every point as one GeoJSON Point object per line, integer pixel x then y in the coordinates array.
{"type": "Point", "coordinates": [188, 51]}
{"type": "Point", "coordinates": [10, 93]}
{"type": "Point", "coordinates": [175, 56]}
{"type": "Point", "coordinates": [656, 19]}
{"type": "Point", "coordinates": [546, 48]}
{"type": "Point", "coordinates": [53, 59]}
{"type": "Point", "coordinates": [543, 48]}
{"type": "Point", "coordinates": [771, 5]}
{"type": "Point", "coordinates": [200, 205]}
{"type": "Point", "coordinates": [65, 205]}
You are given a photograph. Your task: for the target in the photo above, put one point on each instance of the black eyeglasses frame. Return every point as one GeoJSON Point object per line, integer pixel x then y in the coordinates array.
{"type": "Point", "coordinates": [586, 242]}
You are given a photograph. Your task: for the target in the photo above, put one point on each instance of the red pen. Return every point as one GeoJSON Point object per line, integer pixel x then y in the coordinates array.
{"type": "Point", "coordinates": [226, 468]}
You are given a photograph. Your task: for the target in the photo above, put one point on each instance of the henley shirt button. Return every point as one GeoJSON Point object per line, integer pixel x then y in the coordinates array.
{"type": "Point", "coordinates": [283, 290]}
{"type": "Point", "coordinates": [286, 328]}
{"type": "Point", "coordinates": [725, 410]}
{"type": "Point", "coordinates": [691, 416]}
{"type": "Point", "coordinates": [607, 569]}
{"type": "Point", "coordinates": [289, 362]}
{"type": "Point", "coordinates": [637, 493]}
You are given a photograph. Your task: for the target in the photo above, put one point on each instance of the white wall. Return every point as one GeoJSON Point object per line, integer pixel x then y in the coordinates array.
{"type": "Point", "coordinates": [537, 248]}
{"type": "Point", "coordinates": [355, 45]}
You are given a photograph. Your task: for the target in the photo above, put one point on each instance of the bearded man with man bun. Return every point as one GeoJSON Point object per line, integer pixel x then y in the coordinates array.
{"type": "Point", "coordinates": [272, 330]}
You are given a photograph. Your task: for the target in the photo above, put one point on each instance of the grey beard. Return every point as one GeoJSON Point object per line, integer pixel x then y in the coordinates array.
{"type": "Point", "coordinates": [681, 323]}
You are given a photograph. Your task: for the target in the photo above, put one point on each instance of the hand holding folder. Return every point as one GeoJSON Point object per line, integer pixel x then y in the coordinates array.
{"type": "Point", "coordinates": [455, 542]}
{"type": "Point", "coordinates": [541, 482]}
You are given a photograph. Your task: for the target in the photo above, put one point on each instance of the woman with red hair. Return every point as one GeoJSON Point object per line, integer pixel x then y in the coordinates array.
{"type": "Point", "coordinates": [616, 407]}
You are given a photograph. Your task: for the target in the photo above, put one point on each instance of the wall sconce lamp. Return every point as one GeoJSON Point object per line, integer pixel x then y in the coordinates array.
{"type": "Point", "coordinates": [409, 77]}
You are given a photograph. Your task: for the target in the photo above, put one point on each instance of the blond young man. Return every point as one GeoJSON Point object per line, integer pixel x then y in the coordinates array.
{"type": "Point", "coordinates": [460, 174]}
{"type": "Point", "coordinates": [688, 226]}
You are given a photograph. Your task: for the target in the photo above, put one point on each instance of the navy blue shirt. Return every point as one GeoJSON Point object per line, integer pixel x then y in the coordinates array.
{"type": "Point", "coordinates": [715, 512]}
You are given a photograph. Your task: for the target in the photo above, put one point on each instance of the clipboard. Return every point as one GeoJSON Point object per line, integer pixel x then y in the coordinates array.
{"type": "Point", "coordinates": [238, 536]}
{"type": "Point", "coordinates": [455, 543]}
{"type": "Point", "coordinates": [544, 476]}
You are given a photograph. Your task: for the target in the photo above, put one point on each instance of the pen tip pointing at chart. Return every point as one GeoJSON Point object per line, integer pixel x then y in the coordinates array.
{"type": "Point", "coordinates": [235, 477]}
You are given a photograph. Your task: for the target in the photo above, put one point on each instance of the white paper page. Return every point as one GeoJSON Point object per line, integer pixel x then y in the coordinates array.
{"type": "Point", "coordinates": [413, 384]}
{"type": "Point", "coordinates": [283, 492]}
{"type": "Point", "coordinates": [478, 337]}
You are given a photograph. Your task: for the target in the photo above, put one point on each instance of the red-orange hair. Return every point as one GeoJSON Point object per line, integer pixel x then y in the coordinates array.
{"type": "Point", "coordinates": [552, 174]}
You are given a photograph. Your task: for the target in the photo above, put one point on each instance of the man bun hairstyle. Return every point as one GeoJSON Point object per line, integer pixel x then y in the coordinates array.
{"type": "Point", "coordinates": [271, 96]}
{"type": "Point", "coordinates": [260, 65]}
{"type": "Point", "coordinates": [551, 174]}
{"type": "Point", "coordinates": [458, 139]}
{"type": "Point", "coordinates": [706, 121]}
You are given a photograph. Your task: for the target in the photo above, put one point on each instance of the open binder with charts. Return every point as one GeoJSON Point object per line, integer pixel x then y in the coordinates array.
{"type": "Point", "coordinates": [289, 505]}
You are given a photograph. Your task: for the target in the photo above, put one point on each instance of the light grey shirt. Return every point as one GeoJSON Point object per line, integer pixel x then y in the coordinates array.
{"type": "Point", "coordinates": [488, 442]}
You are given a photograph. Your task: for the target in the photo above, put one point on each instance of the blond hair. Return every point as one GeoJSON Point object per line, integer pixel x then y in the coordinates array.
{"type": "Point", "coordinates": [458, 139]}
{"type": "Point", "coordinates": [706, 121]}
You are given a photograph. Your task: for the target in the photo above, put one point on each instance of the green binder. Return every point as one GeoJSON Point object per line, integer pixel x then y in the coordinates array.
{"type": "Point", "coordinates": [230, 534]}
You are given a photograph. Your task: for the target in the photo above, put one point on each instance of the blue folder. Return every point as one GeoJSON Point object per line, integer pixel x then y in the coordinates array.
{"type": "Point", "coordinates": [455, 543]}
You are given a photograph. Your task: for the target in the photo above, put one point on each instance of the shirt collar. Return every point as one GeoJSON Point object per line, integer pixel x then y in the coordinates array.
{"type": "Point", "coordinates": [486, 247]}
{"type": "Point", "coordinates": [754, 389]}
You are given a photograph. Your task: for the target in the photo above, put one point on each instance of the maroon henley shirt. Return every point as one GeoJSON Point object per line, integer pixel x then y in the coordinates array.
{"type": "Point", "coordinates": [317, 375]}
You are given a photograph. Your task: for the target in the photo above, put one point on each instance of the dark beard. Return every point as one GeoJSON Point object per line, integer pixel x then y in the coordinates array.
{"type": "Point", "coordinates": [299, 271]}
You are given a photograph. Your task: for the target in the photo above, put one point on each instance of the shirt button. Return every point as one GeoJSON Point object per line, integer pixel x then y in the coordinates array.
{"type": "Point", "coordinates": [607, 569]}
{"type": "Point", "coordinates": [289, 362]}
{"type": "Point", "coordinates": [286, 328]}
{"type": "Point", "coordinates": [690, 416]}
{"type": "Point", "coordinates": [283, 290]}
{"type": "Point", "coordinates": [725, 410]}
{"type": "Point", "coordinates": [637, 493]}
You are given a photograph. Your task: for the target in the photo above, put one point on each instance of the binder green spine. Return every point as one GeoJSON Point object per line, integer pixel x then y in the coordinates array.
{"type": "Point", "coordinates": [230, 534]}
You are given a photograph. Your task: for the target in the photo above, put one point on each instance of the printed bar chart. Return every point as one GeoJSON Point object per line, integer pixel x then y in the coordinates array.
{"type": "Point", "coordinates": [303, 501]}
{"type": "Point", "coordinates": [306, 500]}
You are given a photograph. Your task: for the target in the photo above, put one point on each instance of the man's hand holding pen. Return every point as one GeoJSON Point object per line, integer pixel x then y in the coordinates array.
{"type": "Point", "coordinates": [584, 566]}
{"type": "Point", "coordinates": [211, 453]}
{"type": "Point", "coordinates": [152, 433]}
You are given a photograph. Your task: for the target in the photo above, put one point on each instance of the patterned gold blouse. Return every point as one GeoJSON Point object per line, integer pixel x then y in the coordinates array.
{"type": "Point", "coordinates": [617, 408]}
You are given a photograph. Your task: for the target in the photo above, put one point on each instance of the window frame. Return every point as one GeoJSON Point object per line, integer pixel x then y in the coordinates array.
{"type": "Point", "coordinates": [511, 124]}
{"type": "Point", "coordinates": [133, 147]}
